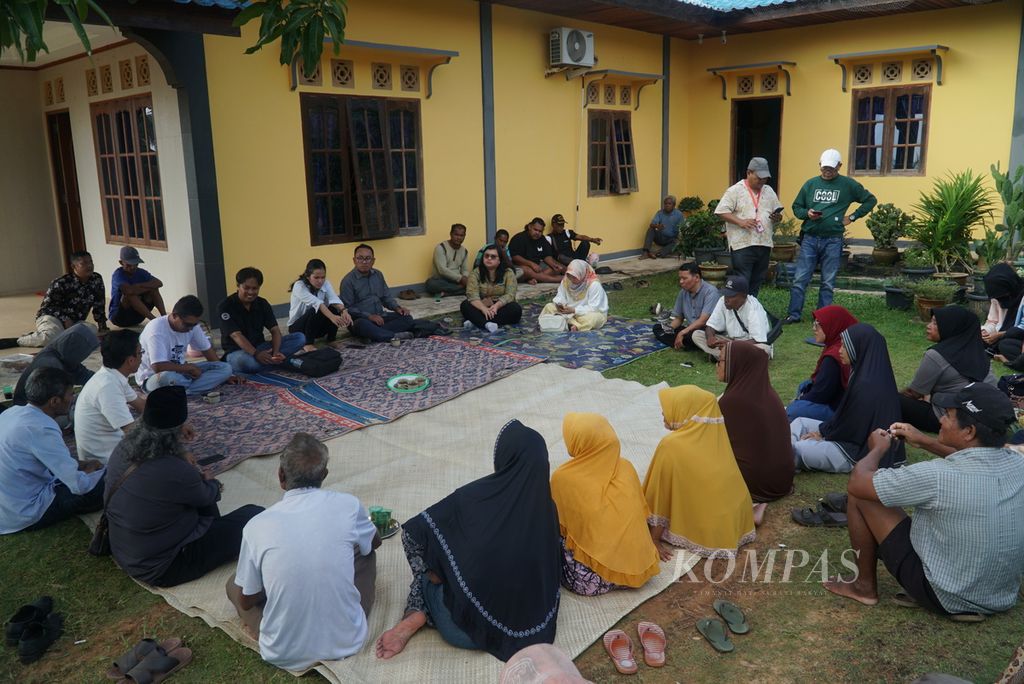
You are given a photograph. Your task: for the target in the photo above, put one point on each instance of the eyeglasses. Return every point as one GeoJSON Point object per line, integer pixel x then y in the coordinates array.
{"type": "Point", "coordinates": [365, 259]}
{"type": "Point", "coordinates": [490, 256]}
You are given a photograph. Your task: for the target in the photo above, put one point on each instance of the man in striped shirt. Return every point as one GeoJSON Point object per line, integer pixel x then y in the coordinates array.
{"type": "Point", "coordinates": [962, 554]}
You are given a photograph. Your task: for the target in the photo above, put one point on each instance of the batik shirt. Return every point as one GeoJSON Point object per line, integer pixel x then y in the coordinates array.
{"type": "Point", "coordinates": [69, 298]}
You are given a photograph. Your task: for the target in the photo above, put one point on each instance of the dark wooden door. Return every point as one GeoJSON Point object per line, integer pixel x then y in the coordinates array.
{"type": "Point", "coordinates": [65, 183]}
{"type": "Point", "coordinates": [756, 132]}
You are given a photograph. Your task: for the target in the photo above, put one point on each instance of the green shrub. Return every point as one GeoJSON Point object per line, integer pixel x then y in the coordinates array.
{"type": "Point", "coordinates": [888, 223]}
{"type": "Point", "coordinates": [933, 288]}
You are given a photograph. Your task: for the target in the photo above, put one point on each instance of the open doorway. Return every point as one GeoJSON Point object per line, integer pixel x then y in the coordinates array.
{"type": "Point", "coordinates": [756, 132]}
{"type": "Point", "coordinates": [65, 184]}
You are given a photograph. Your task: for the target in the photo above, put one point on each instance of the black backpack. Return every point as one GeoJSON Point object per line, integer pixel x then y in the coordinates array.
{"type": "Point", "coordinates": [317, 364]}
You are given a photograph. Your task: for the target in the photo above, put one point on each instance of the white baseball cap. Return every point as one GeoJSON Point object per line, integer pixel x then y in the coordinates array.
{"type": "Point", "coordinates": [831, 157]}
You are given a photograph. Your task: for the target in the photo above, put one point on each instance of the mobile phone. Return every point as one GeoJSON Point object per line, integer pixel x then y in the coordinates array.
{"type": "Point", "coordinates": [990, 351]}
{"type": "Point", "coordinates": [210, 460]}
{"type": "Point", "coordinates": [777, 211]}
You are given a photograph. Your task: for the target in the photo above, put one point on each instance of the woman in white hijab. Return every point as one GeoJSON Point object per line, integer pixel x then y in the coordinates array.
{"type": "Point", "coordinates": [580, 303]}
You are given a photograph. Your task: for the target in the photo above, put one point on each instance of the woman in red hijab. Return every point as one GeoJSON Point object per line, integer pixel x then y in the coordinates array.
{"type": "Point", "coordinates": [818, 397]}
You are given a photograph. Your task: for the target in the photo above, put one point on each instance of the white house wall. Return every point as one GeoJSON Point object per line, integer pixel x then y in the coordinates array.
{"type": "Point", "coordinates": [175, 266]}
{"type": "Point", "coordinates": [29, 235]}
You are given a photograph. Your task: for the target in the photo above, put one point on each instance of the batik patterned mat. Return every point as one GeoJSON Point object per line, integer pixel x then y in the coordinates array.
{"type": "Point", "coordinates": [618, 342]}
{"type": "Point", "coordinates": [260, 416]}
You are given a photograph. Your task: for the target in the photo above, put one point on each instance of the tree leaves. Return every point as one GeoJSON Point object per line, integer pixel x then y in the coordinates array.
{"type": "Point", "coordinates": [21, 24]}
{"type": "Point", "coordinates": [301, 25]}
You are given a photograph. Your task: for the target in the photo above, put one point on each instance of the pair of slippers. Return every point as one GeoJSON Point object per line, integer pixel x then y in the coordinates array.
{"type": "Point", "coordinates": [150, 662]}
{"type": "Point", "coordinates": [905, 600]}
{"type": "Point", "coordinates": [612, 286]}
{"type": "Point", "coordinates": [33, 628]}
{"type": "Point", "coordinates": [831, 512]}
{"type": "Point", "coordinates": [620, 647]}
{"type": "Point", "coordinates": [714, 630]}
{"type": "Point", "coordinates": [408, 294]}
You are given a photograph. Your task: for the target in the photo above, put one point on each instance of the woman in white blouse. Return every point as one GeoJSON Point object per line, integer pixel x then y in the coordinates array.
{"type": "Point", "coordinates": [581, 303]}
{"type": "Point", "coordinates": [316, 309]}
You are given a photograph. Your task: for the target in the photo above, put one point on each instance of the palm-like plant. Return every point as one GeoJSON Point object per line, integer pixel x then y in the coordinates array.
{"type": "Point", "coordinates": [947, 215]}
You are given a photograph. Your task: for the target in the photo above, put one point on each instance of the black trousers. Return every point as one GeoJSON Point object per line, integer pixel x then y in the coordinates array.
{"type": "Point", "coordinates": [218, 546]}
{"type": "Point", "coordinates": [667, 336]}
{"type": "Point", "coordinates": [510, 314]}
{"type": "Point", "coordinates": [66, 505]}
{"type": "Point", "coordinates": [919, 414]}
{"type": "Point", "coordinates": [314, 324]}
{"type": "Point", "coordinates": [581, 252]}
{"type": "Point", "coordinates": [752, 264]}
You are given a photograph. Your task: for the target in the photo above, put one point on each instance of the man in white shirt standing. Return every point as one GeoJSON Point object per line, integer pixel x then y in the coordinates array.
{"type": "Point", "coordinates": [307, 568]}
{"type": "Point", "coordinates": [737, 316]}
{"type": "Point", "coordinates": [164, 342]}
{"type": "Point", "coordinates": [103, 408]}
{"type": "Point", "coordinates": [750, 209]}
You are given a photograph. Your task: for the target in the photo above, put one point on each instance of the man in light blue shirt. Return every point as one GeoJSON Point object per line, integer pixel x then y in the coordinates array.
{"type": "Point", "coordinates": [962, 553]}
{"type": "Point", "coordinates": [41, 483]}
{"type": "Point", "coordinates": [664, 230]}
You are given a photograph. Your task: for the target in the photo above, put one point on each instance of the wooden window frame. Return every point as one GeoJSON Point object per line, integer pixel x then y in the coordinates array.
{"type": "Point", "coordinates": [358, 200]}
{"type": "Point", "coordinates": [113, 161]}
{"type": "Point", "coordinates": [612, 169]}
{"type": "Point", "coordinates": [890, 93]}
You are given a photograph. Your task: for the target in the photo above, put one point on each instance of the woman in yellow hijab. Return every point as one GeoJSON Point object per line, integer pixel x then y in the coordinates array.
{"type": "Point", "coordinates": [694, 488]}
{"type": "Point", "coordinates": [602, 512]}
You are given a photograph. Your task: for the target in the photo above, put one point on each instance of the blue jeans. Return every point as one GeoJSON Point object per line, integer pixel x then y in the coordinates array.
{"type": "Point", "coordinates": [393, 323]}
{"type": "Point", "coordinates": [433, 596]}
{"type": "Point", "coordinates": [215, 374]}
{"type": "Point", "coordinates": [826, 250]}
{"type": "Point", "coordinates": [244, 362]}
{"type": "Point", "coordinates": [801, 408]}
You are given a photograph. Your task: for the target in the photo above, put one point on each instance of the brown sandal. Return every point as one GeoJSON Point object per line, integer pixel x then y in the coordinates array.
{"type": "Point", "coordinates": [408, 294]}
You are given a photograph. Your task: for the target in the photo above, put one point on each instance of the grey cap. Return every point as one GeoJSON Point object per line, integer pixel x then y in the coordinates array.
{"type": "Point", "coordinates": [759, 165]}
{"type": "Point", "coordinates": [130, 255]}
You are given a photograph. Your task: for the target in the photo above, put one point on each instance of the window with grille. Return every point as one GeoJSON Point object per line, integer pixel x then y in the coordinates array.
{"type": "Point", "coordinates": [889, 135]}
{"type": "Point", "coordinates": [610, 160]}
{"type": "Point", "coordinates": [129, 172]}
{"type": "Point", "coordinates": [364, 167]}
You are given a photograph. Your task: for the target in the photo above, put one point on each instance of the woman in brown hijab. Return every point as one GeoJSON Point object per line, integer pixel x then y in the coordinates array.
{"type": "Point", "coordinates": [756, 422]}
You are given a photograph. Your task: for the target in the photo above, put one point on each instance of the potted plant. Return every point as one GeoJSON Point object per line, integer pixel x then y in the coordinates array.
{"type": "Point", "coordinates": [784, 235]}
{"type": "Point", "coordinates": [688, 205]}
{"type": "Point", "coordinates": [931, 293]}
{"type": "Point", "coordinates": [945, 220]}
{"type": "Point", "coordinates": [917, 264]}
{"type": "Point", "coordinates": [713, 272]}
{"type": "Point", "coordinates": [1011, 192]}
{"type": "Point", "coordinates": [701, 236]}
{"type": "Point", "coordinates": [887, 223]}
{"type": "Point", "coordinates": [898, 293]}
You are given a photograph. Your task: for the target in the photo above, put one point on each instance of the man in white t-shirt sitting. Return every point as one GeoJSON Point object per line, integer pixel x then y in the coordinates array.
{"type": "Point", "coordinates": [103, 408]}
{"type": "Point", "coordinates": [164, 342]}
{"type": "Point", "coordinates": [736, 316]}
{"type": "Point", "coordinates": [307, 568]}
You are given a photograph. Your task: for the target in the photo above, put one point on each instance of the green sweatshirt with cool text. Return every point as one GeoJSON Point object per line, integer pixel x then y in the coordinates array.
{"type": "Point", "coordinates": [832, 198]}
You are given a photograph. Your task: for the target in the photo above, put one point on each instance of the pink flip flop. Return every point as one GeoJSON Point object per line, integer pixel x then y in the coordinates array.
{"type": "Point", "coordinates": [652, 638]}
{"type": "Point", "coordinates": [620, 648]}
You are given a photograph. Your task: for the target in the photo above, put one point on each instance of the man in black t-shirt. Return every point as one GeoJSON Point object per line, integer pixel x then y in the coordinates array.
{"type": "Point", "coordinates": [562, 238]}
{"type": "Point", "coordinates": [243, 317]}
{"type": "Point", "coordinates": [534, 254]}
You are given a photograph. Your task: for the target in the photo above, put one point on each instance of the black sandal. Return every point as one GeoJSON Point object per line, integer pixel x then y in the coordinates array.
{"type": "Point", "coordinates": [810, 517]}
{"type": "Point", "coordinates": [834, 502]}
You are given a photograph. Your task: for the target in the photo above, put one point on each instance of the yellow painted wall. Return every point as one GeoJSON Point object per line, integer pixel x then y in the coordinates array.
{"type": "Point", "coordinates": [257, 134]}
{"type": "Point", "coordinates": [541, 129]}
{"type": "Point", "coordinates": [971, 113]}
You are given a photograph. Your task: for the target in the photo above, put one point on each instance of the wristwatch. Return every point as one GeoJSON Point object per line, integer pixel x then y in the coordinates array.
{"type": "Point", "coordinates": [852, 217]}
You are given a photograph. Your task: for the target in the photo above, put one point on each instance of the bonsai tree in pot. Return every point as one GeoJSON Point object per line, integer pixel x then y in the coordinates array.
{"type": "Point", "coordinates": [713, 272]}
{"type": "Point", "coordinates": [784, 235]}
{"type": "Point", "coordinates": [931, 293]}
{"type": "Point", "coordinates": [898, 293]}
{"type": "Point", "coordinates": [946, 218]}
{"type": "Point", "coordinates": [887, 223]}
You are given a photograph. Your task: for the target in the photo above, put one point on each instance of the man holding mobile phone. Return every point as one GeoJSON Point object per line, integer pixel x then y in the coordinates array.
{"type": "Point", "coordinates": [823, 203]}
{"type": "Point", "coordinates": [750, 210]}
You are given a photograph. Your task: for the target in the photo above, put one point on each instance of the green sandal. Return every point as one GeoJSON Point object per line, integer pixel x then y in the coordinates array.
{"type": "Point", "coordinates": [732, 615]}
{"type": "Point", "coordinates": [714, 631]}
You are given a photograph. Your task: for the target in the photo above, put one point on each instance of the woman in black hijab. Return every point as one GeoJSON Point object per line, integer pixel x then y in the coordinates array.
{"type": "Point", "coordinates": [486, 560]}
{"type": "Point", "coordinates": [1000, 332]}
{"type": "Point", "coordinates": [871, 401]}
{"type": "Point", "coordinates": [956, 359]}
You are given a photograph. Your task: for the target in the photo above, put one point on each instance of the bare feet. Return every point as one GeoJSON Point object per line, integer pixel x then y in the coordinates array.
{"type": "Point", "coordinates": [532, 281]}
{"type": "Point", "coordinates": [394, 640]}
{"type": "Point", "coordinates": [574, 328]}
{"type": "Point", "coordinates": [850, 590]}
{"type": "Point", "coordinates": [759, 509]}
{"type": "Point", "coordinates": [308, 348]}
{"type": "Point", "coordinates": [664, 552]}
{"type": "Point", "coordinates": [250, 632]}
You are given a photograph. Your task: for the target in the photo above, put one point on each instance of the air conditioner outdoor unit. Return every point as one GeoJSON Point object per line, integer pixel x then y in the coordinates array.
{"type": "Point", "coordinates": [572, 47]}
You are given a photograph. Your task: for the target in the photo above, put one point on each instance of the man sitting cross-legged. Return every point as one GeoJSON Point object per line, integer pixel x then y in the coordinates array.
{"type": "Point", "coordinates": [134, 292]}
{"type": "Point", "coordinates": [365, 294]}
{"type": "Point", "coordinates": [532, 253]}
{"type": "Point", "coordinates": [103, 408]}
{"type": "Point", "coordinates": [736, 316]}
{"type": "Point", "coordinates": [963, 550]}
{"type": "Point", "coordinates": [243, 317]}
{"type": "Point", "coordinates": [41, 483]}
{"type": "Point", "coordinates": [164, 342]}
{"type": "Point", "coordinates": [694, 306]}
{"type": "Point", "coordinates": [307, 567]}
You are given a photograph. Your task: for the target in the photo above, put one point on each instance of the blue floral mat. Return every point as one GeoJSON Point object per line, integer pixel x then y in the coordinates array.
{"type": "Point", "coordinates": [620, 341]}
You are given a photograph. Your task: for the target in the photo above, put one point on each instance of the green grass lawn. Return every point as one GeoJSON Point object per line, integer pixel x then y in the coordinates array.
{"type": "Point", "coordinates": [799, 633]}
